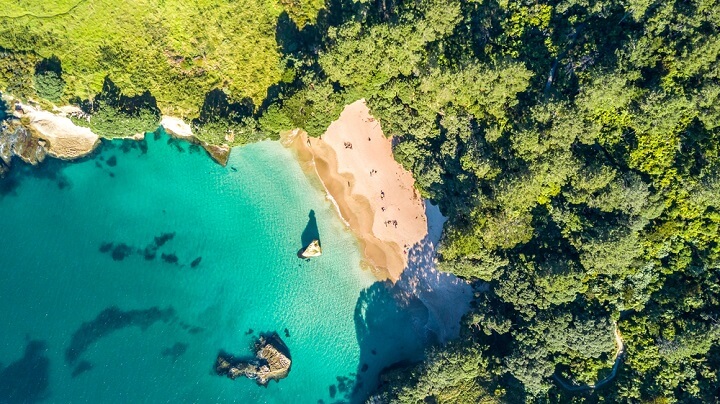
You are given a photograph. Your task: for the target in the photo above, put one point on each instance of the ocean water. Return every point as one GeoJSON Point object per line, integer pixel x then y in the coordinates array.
{"type": "Point", "coordinates": [123, 275]}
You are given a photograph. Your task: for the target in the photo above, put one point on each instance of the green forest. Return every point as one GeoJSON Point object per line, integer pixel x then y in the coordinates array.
{"type": "Point", "coordinates": [573, 145]}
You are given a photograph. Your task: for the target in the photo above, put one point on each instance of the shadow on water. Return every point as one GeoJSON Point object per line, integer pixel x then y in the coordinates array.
{"type": "Point", "coordinates": [27, 379]}
{"type": "Point", "coordinates": [389, 330]}
{"type": "Point", "coordinates": [395, 323]}
{"type": "Point", "coordinates": [311, 231]}
{"type": "Point", "coordinates": [50, 170]}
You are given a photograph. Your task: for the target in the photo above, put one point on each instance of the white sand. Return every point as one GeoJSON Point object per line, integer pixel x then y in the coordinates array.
{"type": "Point", "coordinates": [176, 126]}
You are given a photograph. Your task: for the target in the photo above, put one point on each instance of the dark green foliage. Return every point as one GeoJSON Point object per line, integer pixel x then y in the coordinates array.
{"type": "Point", "coordinates": [48, 79]}
{"type": "Point", "coordinates": [222, 121]}
{"type": "Point", "coordinates": [49, 85]}
{"type": "Point", "coordinates": [113, 114]}
{"type": "Point", "coordinates": [111, 122]}
{"type": "Point", "coordinates": [574, 147]}
{"type": "Point", "coordinates": [17, 70]}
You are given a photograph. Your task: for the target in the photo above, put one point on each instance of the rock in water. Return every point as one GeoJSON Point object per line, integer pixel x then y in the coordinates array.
{"type": "Point", "coordinates": [272, 362]}
{"type": "Point", "coordinates": [312, 250]}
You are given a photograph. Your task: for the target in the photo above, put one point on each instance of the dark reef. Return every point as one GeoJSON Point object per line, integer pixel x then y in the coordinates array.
{"type": "Point", "coordinates": [111, 320]}
{"type": "Point", "coordinates": [175, 351]}
{"type": "Point", "coordinates": [82, 367]}
{"type": "Point", "coordinates": [120, 251]}
{"type": "Point", "coordinates": [27, 379]}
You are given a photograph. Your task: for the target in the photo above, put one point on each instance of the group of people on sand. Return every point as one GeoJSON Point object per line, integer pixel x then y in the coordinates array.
{"type": "Point", "coordinates": [392, 222]}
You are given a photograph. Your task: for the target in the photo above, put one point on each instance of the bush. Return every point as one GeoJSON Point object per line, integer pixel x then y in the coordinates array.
{"type": "Point", "coordinates": [49, 85]}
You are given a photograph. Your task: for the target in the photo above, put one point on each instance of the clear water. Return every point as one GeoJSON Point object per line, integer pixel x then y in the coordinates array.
{"type": "Point", "coordinates": [163, 323]}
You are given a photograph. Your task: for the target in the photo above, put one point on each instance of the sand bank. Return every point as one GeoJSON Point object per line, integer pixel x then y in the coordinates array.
{"type": "Point", "coordinates": [373, 193]}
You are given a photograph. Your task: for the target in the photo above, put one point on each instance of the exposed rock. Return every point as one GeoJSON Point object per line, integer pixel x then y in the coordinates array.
{"type": "Point", "coordinates": [312, 250]}
{"type": "Point", "coordinates": [16, 140]}
{"type": "Point", "coordinates": [272, 362]}
{"type": "Point", "coordinates": [220, 153]}
{"type": "Point", "coordinates": [31, 134]}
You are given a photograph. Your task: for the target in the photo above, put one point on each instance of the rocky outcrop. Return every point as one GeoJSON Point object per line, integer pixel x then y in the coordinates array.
{"type": "Point", "coordinates": [219, 153]}
{"type": "Point", "coordinates": [271, 362]}
{"type": "Point", "coordinates": [31, 133]}
{"type": "Point", "coordinates": [312, 250]}
{"type": "Point", "coordinates": [16, 140]}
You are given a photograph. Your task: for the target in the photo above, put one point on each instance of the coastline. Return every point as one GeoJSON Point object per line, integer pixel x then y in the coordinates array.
{"type": "Point", "coordinates": [179, 129]}
{"type": "Point", "coordinates": [372, 193]}
{"type": "Point", "coordinates": [353, 161]}
{"type": "Point", "coordinates": [54, 134]}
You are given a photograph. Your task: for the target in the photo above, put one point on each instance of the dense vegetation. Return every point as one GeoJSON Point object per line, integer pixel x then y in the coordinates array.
{"type": "Point", "coordinates": [572, 144]}
{"type": "Point", "coordinates": [178, 51]}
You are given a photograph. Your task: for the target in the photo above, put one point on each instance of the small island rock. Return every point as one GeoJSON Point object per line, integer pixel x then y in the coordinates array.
{"type": "Point", "coordinates": [272, 362]}
{"type": "Point", "coordinates": [312, 250]}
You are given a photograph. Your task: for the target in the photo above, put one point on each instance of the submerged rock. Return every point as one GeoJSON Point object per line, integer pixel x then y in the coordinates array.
{"type": "Point", "coordinates": [272, 362]}
{"type": "Point", "coordinates": [312, 250]}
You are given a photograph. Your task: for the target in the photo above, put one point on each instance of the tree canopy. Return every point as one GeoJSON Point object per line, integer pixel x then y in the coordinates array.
{"type": "Point", "coordinates": [572, 144]}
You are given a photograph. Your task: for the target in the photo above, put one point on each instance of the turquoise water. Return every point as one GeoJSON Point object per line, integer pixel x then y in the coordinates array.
{"type": "Point", "coordinates": [88, 317]}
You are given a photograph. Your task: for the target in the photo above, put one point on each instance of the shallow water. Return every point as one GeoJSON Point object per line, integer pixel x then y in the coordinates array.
{"type": "Point", "coordinates": [124, 274]}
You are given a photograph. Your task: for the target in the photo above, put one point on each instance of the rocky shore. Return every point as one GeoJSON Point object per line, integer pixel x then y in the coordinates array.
{"type": "Point", "coordinates": [31, 134]}
{"type": "Point", "coordinates": [271, 362]}
{"type": "Point", "coordinates": [17, 141]}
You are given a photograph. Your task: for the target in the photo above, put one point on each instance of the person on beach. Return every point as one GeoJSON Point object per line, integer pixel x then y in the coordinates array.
{"type": "Point", "coordinates": [382, 194]}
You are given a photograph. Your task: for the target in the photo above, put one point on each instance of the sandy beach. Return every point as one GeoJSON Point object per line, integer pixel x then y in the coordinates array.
{"type": "Point", "coordinates": [374, 194]}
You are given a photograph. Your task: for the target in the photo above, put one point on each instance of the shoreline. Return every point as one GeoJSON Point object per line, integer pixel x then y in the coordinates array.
{"type": "Point", "coordinates": [54, 134]}
{"type": "Point", "coordinates": [353, 161]}
{"type": "Point", "coordinates": [371, 192]}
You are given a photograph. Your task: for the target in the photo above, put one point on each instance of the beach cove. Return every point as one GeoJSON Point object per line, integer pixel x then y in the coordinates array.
{"type": "Point", "coordinates": [74, 274]}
